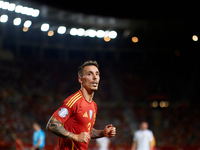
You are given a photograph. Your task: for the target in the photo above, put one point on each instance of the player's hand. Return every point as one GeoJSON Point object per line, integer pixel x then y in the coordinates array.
{"type": "Point", "coordinates": [83, 137]}
{"type": "Point", "coordinates": [109, 131]}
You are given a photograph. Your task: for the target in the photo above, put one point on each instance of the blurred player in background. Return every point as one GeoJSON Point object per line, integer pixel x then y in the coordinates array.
{"type": "Point", "coordinates": [38, 137]}
{"type": "Point", "coordinates": [143, 138]}
{"type": "Point", "coordinates": [73, 121]}
{"type": "Point", "coordinates": [18, 142]}
{"type": "Point", "coordinates": [153, 143]}
{"type": "Point", "coordinates": [103, 143]}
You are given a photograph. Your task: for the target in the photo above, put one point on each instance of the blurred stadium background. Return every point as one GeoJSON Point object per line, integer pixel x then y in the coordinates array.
{"type": "Point", "coordinates": [148, 63]}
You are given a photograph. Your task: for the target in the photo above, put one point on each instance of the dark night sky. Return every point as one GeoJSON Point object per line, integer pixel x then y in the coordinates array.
{"type": "Point", "coordinates": [130, 9]}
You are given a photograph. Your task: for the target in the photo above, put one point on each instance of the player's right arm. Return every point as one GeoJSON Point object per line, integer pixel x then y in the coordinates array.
{"type": "Point", "coordinates": [57, 128]}
{"type": "Point", "coordinates": [134, 145]}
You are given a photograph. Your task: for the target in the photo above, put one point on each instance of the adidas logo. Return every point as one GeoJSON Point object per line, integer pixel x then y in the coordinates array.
{"type": "Point", "coordinates": [85, 114]}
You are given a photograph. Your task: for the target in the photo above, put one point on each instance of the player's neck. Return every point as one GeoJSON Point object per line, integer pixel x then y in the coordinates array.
{"type": "Point", "coordinates": [87, 94]}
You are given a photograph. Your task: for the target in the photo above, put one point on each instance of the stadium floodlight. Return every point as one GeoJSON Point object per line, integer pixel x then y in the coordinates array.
{"type": "Point", "coordinates": [195, 38]}
{"type": "Point", "coordinates": [18, 8]}
{"type": "Point", "coordinates": [1, 4]}
{"type": "Point", "coordinates": [3, 18]}
{"type": "Point", "coordinates": [90, 33]}
{"type": "Point", "coordinates": [27, 23]}
{"type": "Point", "coordinates": [45, 27]}
{"type": "Point", "coordinates": [100, 33]}
{"type": "Point", "coordinates": [80, 32]}
{"type": "Point", "coordinates": [112, 34]}
{"type": "Point", "coordinates": [25, 10]}
{"type": "Point", "coordinates": [73, 31]}
{"type": "Point", "coordinates": [61, 30]}
{"type": "Point", "coordinates": [35, 13]}
{"type": "Point", "coordinates": [17, 21]}
{"type": "Point", "coordinates": [30, 11]}
{"type": "Point", "coordinates": [11, 7]}
{"type": "Point", "coordinates": [5, 5]}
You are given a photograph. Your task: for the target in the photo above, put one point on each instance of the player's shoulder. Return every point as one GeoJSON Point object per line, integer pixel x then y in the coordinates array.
{"type": "Point", "coordinates": [137, 132]}
{"type": "Point", "coordinates": [149, 132]}
{"type": "Point", "coordinates": [72, 99]}
{"type": "Point", "coordinates": [94, 103]}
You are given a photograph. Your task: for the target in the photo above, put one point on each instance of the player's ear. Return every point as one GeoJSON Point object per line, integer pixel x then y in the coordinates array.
{"type": "Point", "coordinates": [80, 80]}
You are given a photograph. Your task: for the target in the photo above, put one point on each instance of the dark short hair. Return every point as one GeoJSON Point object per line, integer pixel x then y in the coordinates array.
{"type": "Point", "coordinates": [86, 63]}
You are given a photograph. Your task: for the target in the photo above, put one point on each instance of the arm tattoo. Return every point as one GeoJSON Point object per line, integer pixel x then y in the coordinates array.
{"type": "Point", "coordinates": [57, 128]}
{"type": "Point", "coordinates": [96, 133]}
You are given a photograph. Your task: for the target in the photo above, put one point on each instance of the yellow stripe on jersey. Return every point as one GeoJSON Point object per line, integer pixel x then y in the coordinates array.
{"type": "Point", "coordinates": [72, 98]}
{"type": "Point", "coordinates": [72, 145]}
{"type": "Point", "coordinates": [74, 101]}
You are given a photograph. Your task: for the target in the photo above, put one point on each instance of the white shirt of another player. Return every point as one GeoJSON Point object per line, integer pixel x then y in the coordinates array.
{"type": "Point", "coordinates": [103, 143]}
{"type": "Point", "coordinates": [143, 139]}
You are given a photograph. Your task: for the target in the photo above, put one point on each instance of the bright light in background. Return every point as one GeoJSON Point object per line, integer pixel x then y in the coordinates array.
{"type": "Point", "coordinates": [18, 8]}
{"type": "Point", "coordinates": [107, 39]}
{"type": "Point", "coordinates": [50, 33]}
{"type": "Point", "coordinates": [3, 18]}
{"type": "Point", "coordinates": [107, 35]}
{"type": "Point", "coordinates": [154, 104]}
{"type": "Point", "coordinates": [17, 21]}
{"type": "Point", "coordinates": [1, 4]}
{"type": "Point", "coordinates": [112, 34]}
{"type": "Point", "coordinates": [5, 5]}
{"type": "Point", "coordinates": [35, 13]}
{"type": "Point", "coordinates": [195, 38]}
{"type": "Point", "coordinates": [11, 7]}
{"type": "Point", "coordinates": [61, 30]}
{"type": "Point", "coordinates": [27, 23]}
{"type": "Point", "coordinates": [100, 33]}
{"type": "Point", "coordinates": [80, 32]}
{"type": "Point", "coordinates": [25, 29]}
{"type": "Point", "coordinates": [29, 11]}
{"type": "Point", "coordinates": [91, 33]}
{"type": "Point", "coordinates": [134, 39]}
{"type": "Point", "coordinates": [25, 10]}
{"type": "Point", "coordinates": [162, 104]}
{"type": "Point", "coordinates": [73, 31]}
{"type": "Point", "coordinates": [45, 27]}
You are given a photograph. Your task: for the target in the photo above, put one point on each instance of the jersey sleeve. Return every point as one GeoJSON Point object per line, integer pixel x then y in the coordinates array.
{"type": "Point", "coordinates": [151, 136]}
{"type": "Point", "coordinates": [135, 137]}
{"type": "Point", "coordinates": [63, 112]}
{"type": "Point", "coordinates": [41, 137]}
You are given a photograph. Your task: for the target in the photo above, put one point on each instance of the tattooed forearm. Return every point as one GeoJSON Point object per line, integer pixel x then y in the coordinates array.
{"type": "Point", "coordinates": [96, 133]}
{"type": "Point", "coordinates": [57, 128]}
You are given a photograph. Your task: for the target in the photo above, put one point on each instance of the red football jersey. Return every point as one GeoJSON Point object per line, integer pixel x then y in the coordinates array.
{"type": "Point", "coordinates": [77, 115]}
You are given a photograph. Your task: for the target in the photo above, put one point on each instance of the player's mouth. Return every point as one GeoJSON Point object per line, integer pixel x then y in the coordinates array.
{"type": "Point", "coordinates": [94, 84]}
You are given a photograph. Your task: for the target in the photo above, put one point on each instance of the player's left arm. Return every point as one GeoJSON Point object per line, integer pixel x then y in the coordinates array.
{"type": "Point", "coordinates": [109, 131]}
{"type": "Point", "coordinates": [36, 146]}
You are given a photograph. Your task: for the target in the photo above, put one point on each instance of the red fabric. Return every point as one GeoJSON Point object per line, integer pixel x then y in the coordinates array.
{"type": "Point", "coordinates": [77, 115]}
{"type": "Point", "coordinates": [19, 145]}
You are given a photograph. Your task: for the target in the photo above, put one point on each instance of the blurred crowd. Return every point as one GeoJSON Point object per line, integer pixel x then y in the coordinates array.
{"type": "Point", "coordinates": [31, 91]}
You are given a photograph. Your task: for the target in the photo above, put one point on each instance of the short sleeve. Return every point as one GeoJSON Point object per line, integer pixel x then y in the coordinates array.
{"type": "Point", "coordinates": [135, 137]}
{"type": "Point", "coordinates": [63, 112]}
{"type": "Point", "coordinates": [151, 136]}
{"type": "Point", "coordinates": [42, 136]}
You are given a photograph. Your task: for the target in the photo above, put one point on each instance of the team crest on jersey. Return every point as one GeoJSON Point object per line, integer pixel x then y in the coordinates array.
{"type": "Point", "coordinates": [90, 112]}
{"type": "Point", "coordinates": [63, 112]}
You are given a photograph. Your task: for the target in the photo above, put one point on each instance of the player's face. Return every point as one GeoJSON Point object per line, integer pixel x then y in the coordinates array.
{"type": "Point", "coordinates": [144, 126]}
{"type": "Point", "coordinates": [90, 78]}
